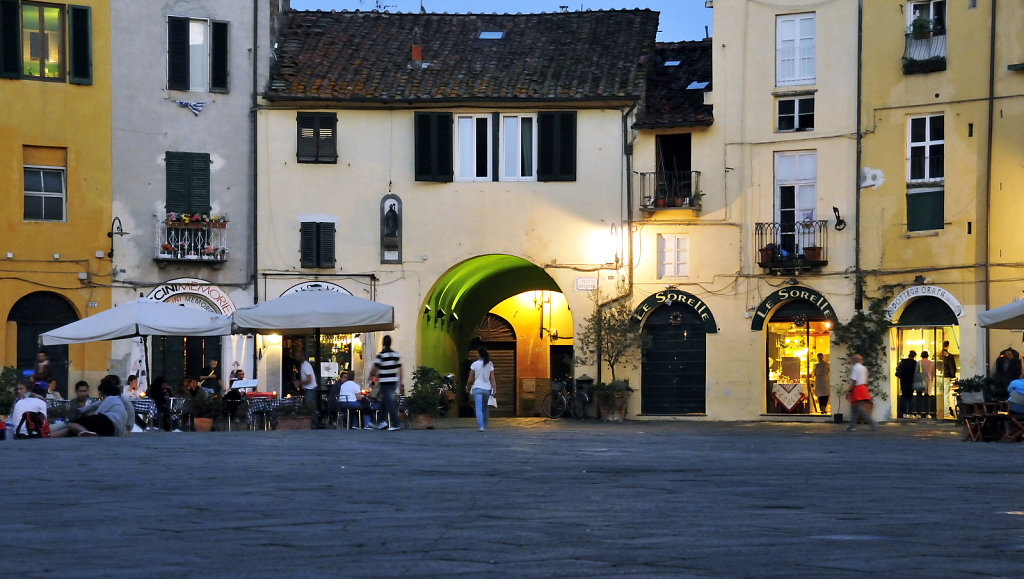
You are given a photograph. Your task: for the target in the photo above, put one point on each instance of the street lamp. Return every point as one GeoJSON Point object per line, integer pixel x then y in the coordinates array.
{"type": "Point", "coordinates": [115, 229]}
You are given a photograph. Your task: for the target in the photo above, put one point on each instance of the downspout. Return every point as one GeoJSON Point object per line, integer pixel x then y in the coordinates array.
{"type": "Point", "coordinates": [253, 242]}
{"type": "Point", "coordinates": [988, 173]}
{"type": "Point", "coordinates": [858, 293]}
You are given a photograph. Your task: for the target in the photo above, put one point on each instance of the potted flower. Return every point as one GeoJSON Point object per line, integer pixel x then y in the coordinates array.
{"type": "Point", "coordinates": [166, 250]}
{"type": "Point", "coordinates": [612, 398]}
{"type": "Point", "coordinates": [204, 408]}
{"type": "Point", "coordinates": [208, 251]}
{"type": "Point", "coordinates": [218, 221]}
{"type": "Point", "coordinates": [920, 27]}
{"type": "Point", "coordinates": [422, 402]}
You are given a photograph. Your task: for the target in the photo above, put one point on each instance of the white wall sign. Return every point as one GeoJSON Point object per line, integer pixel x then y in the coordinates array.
{"type": "Point", "coordinates": [315, 285]}
{"type": "Point", "coordinates": [921, 291]}
{"type": "Point", "coordinates": [586, 284]}
{"type": "Point", "coordinates": [196, 293]}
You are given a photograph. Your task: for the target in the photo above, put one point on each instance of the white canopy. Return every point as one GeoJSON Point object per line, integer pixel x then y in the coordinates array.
{"type": "Point", "coordinates": [141, 317]}
{"type": "Point", "coordinates": [1008, 317]}
{"type": "Point", "coordinates": [315, 310]}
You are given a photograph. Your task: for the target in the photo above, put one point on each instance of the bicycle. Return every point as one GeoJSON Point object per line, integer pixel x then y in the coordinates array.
{"type": "Point", "coordinates": [575, 399]}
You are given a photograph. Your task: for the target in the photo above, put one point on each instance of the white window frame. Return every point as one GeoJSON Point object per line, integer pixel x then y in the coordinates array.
{"type": "Point", "coordinates": [511, 143]}
{"type": "Point", "coordinates": [45, 194]}
{"type": "Point", "coordinates": [916, 6]}
{"type": "Point", "coordinates": [796, 113]}
{"type": "Point", "coordinates": [927, 144]}
{"type": "Point", "coordinates": [797, 169]}
{"type": "Point", "coordinates": [466, 146]}
{"type": "Point", "coordinates": [673, 256]}
{"type": "Point", "coordinates": [795, 49]}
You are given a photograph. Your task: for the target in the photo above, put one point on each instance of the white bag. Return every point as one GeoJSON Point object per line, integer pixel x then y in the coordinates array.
{"type": "Point", "coordinates": [492, 401]}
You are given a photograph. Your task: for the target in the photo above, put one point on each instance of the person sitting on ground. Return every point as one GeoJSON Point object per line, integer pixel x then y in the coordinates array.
{"type": "Point", "coordinates": [350, 397]}
{"type": "Point", "coordinates": [108, 420]}
{"type": "Point", "coordinates": [51, 390]}
{"type": "Point", "coordinates": [34, 401]}
{"type": "Point", "coordinates": [81, 399]}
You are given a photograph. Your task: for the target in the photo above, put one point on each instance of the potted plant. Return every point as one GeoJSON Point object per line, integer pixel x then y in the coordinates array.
{"type": "Point", "coordinates": [920, 27]}
{"type": "Point", "coordinates": [204, 408]}
{"type": "Point", "coordinates": [424, 398]}
{"type": "Point", "coordinates": [292, 414]}
{"type": "Point", "coordinates": [612, 398]}
{"type": "Point", "coordinates": [695, 199]}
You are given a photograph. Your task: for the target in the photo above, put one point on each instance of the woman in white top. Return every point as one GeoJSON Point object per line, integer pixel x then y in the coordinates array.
{"type": "Point", "coordinates": [481, 386]}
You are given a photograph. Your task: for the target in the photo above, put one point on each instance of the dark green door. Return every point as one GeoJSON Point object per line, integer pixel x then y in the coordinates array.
{"type": "Point", "coordinates": [175, 357]}
{"type": "Point", "coordinates": [674, 364]}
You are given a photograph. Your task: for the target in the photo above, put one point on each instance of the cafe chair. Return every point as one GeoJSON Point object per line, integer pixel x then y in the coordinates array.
{"type": "Point", "coordinates": [347, 413]}
{"type": "Point", "coordinates": [177, 413]}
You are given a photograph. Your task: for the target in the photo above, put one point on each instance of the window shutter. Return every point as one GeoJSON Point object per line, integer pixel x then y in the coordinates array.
{"type": "Point", "coordinates": [219, 57]}
{"type": "Point", "coordinates": [177, 170]}
{"type": "Point", "coordinates": [556, 146]}
{"type": "Point", "coordinates": [434, 147]}
{"type": "Point", "coordinates": [199, 181]}
{"type": "Point", "coordinates": [325, 257]}
{"type": "Point", "coordinates": [925, 210]}
{"type": "Point", "coordinates": [10, 39]}
{"type": "Point", "coordinates": [177, 53]}
{"type": "Point", "coordinates": [305, 149]}
{"type": "Point", "coordinates": [327, 138]}
{"type": "Point", "coordinates": [307, 244]}
{"type": "Point", "coordinates": [80, 45]}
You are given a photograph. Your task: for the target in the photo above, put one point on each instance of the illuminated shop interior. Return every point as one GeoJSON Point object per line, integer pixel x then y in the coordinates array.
{"type": "Point", "coordinates": [792, 350]}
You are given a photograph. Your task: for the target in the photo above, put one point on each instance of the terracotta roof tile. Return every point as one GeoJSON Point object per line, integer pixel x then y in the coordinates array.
{"type": "Point", "coordinates": [668, 101]}
{"type": "Point", "coordinates": [367, 56]}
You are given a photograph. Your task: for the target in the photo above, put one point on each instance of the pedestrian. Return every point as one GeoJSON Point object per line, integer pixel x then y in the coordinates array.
{"type": "Point", "coordinates": [905, 373]}
{"type": "Point", "coordinates": [860, 398]}
{"type": "Point", "coordinates": [822, 382]}
{"type": "Point", "coordinates": [928, 374]}
{"type": "Point", "coordinates": [387, 369]}
{"type": "Point", "coordinates": [948, 365]}
{"type": "Point", "coordinates": [481, 386]}
{"type": "Point", "coordinates": [41, 373]}
{"type": "Point", "coordinates": [307, 382]}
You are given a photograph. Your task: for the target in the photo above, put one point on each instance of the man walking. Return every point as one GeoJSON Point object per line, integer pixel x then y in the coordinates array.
{"type": "Point", "coordinates": [859, 395]}
{"type": "Point", "coordinates": [307, 382]}
{"type": "Point", "coordinates": [387, 367]}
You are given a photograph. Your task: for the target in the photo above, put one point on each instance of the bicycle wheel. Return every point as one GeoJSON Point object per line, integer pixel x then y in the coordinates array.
{"type": "Point", "coordinates": [553, 405]}
{"type": "Point", "coordinates": [579, 406]}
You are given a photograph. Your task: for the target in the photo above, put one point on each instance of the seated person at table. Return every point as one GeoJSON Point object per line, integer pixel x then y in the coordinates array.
{"type": "Point", "coordinates": [350, 397]}
{"type": "Point", "coordinates": [34, 401]}
{"type": "Point", "coordinates": [1018, 387]}
{"type": "Point", "coordinates": [109, 419]}
{"type": "Point", "coordinates": [81, 400]}
{"type": "Point", "coordinates": [160, 392]}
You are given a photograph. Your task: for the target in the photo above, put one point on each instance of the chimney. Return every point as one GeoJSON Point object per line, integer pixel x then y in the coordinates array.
{"type": "Point", "coordinates": [417, 53]}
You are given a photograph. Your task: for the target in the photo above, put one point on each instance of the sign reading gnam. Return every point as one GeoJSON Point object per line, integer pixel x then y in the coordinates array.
{"type": "Point", "coordinates": [673, 296]}
{"type": "Point", "coordinates": [920, 291]}
{"type": "Point", "coordinates": [316, 285]}
{"type": "Point", "coordinates": [194, 293]}
{"type": "Point", "coordinates": [787, 294]}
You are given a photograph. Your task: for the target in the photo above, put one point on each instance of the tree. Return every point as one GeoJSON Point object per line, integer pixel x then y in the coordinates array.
{"type": "Point", "coordinates": [609, 335]}
{"type": "Point", "coordinates": [865, 334]}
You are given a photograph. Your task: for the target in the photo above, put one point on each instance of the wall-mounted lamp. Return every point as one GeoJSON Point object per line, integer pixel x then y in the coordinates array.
{"type": "Point", "coordinates": [115, 229]}
{"type": "Point", "coordinates": [440, 314]}
{"type": "Point", "coordinates": [455, 316]}
{"type": "Point", "coordinates": [791, 281]}
{"type": "Point", "coordinates": [669, 302]}
{"type": "Point", "coordinates": [840, 224]}
{"type": "Point", "coordinates": [426, 310]}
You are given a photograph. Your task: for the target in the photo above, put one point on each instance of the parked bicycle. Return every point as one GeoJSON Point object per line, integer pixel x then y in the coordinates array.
{"type": "Point", "coordinates": [565, 395]}
{"type": "Point", "coordinates": [446, 395]}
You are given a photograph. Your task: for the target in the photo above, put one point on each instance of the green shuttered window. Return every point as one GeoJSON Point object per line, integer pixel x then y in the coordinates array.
{"type": "Point", "coordinates": [317, 138]}
{"type": "Point", "coordinates": [925, 210]}
{"type": "Point", "coordinates": [316, 244]}
{"type": "Point", "coordinates": [188, 182]}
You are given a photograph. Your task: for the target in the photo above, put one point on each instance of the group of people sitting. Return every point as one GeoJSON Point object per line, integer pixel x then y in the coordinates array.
{"type": "Point", "coordinates": [345, 394]}
{"type": "Point", "coordinates": [110, 415]}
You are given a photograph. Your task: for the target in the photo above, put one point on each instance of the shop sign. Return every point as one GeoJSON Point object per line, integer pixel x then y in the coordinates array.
{"type": "Point", "coordinates": [786, 294]}
{"type": "Point", "coordinates": [670, 296]}
{"type": "Point", "coordinates": [315, 285]}
{"type": "Point", "coordinates": [195, 293]}
{"type": "Point", "coordinates": [920, 291]}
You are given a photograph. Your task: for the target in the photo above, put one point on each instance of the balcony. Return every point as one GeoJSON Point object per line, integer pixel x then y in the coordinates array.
{"type": "Point", "coordinates": [203, 242]}
{"type": "Point", "coordinates": [925, 52]}
{"type": "Point", "coordinates": [792, 247]}
{"type": "Point", "coordinates": [664, 190]}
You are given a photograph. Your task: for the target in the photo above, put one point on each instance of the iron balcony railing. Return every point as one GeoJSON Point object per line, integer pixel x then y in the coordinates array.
{"type": "Point", "coordinates": [925, 52]}
{"type": "Point", "coordinates": [669, 189]}
{"type": "Point", "coordinates": [199, 242]}
{"type": "Point", "coordinates": [792, 245]}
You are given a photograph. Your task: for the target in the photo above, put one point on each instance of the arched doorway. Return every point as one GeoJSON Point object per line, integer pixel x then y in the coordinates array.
{"type": "Point", "coordinates": [674, 373]}
{"type": "Point", "coordinates": [925, 319]}
{"type": "Point", "coordinates": [34, 314]}
{"type": "Point", "coordinates": [535, 327]}
{"type": "Point", "coordinates": [799, 322]}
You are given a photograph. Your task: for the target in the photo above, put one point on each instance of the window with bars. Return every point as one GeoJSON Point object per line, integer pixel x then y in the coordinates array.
{"type": "Point", "coordinates": [317, 140]}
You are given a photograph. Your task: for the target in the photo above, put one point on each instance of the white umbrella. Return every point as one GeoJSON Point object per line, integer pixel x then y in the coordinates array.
{"type": "Point", "coordinates": [141, 317]}
{"type": "Point", "coordinates": [1008, 317]}
{"type": "Point", "coordinates": [315, 311]}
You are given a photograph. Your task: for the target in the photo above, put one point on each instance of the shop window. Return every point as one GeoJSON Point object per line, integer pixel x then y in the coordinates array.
{"type": "Point", "coordinates": [794, 49]}
{"type": "Point", "coordinates": [794, 342]}
{"type": "Point", "coordinates": [796, 114]}
{"type": "Point", "coordinates": [45, 174]}
{"type": "Point", "coordinates": [197, 54]}
{"type": "Point", "coordinates": [317, 138]}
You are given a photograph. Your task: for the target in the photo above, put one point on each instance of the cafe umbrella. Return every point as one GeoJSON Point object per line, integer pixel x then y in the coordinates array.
{"type": "Point", "coordinates": [1005, 317]}
{"type": "Point", "coordinates": [140, 318]}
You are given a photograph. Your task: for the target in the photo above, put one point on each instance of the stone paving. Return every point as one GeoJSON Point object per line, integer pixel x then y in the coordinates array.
{"type": "Point", "coordinates": [529, 497]}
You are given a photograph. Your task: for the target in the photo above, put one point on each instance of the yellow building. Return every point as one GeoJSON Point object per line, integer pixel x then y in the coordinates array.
{"type": "Point", "coordinates": [941, 142]}
{"type": "Point", "coordinates": [55, 172]}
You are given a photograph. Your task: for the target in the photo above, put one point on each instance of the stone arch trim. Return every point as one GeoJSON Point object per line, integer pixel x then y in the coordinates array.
{"type": "Point", "coordinates": [908, 295]}
{"type": "Point", "coordinates": [670, 296]}
{"type": "Point", "coordinates": [787, 294]}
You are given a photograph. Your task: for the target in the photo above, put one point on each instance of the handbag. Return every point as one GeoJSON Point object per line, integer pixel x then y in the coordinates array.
{"type": "Point", "coordinates": [918, 378]}
{"type": "Point", "coordinates": [492, 401]}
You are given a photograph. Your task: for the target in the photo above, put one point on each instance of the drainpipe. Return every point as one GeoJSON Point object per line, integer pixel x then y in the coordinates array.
{"type": "Point", "coordinates": [988, 173]}
{"type": "Point", "coordinates": [254, 240]}
{"type": "Point", "coordinates": [858, 284]}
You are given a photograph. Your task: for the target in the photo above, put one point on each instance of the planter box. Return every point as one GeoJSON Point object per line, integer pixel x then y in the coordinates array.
{"type": "Point", "coordinates": [293, 423]}
{"type": "Point", "coordinates": [422, 421]}
{"type": "Point", "coordinates": [203, 424]}
{"type": "Point", "coordinates": [765, 255]}
{"type": "Point", "coordinates": [218, 224]}
{"type": "Point", "coordinates": [812, 253]}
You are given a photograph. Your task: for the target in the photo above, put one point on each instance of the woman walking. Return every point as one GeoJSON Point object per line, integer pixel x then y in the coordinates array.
{"type": "Point", "coordinates": [481, 386]}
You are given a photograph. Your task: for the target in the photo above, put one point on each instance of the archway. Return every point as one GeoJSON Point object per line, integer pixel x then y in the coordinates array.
{"type": "Point", "coordinates": [34, 314]}
{"type": "Point", "coordinates": [511, 289]}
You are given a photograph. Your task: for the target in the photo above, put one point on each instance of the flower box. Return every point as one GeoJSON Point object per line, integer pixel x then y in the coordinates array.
{"type": "Point", "coordinates": [218, 224]}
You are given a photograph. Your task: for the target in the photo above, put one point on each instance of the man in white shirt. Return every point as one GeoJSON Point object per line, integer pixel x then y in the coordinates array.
{"type": "Point", "coordinates": [307, 381]}
{"type": "Point", "coordinates": [350, 397]}
{"type": "Point", "coordinates": [34, 401]}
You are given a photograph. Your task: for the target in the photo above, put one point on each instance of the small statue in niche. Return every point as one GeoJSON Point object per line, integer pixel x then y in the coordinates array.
{"type": "Point", "coordinates": [391, 221]}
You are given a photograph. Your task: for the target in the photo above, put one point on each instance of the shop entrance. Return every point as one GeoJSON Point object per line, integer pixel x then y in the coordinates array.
{"type": "Point", "coordinates": [924, 326]}
{"type": "Point", "coordinates": [797, 333]}
{"type": "Point", "coordinates": [675, 362]}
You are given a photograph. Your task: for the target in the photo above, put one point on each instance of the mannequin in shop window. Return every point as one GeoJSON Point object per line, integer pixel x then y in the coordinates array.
{"type": "Point", "coordinates": [822, 382]}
